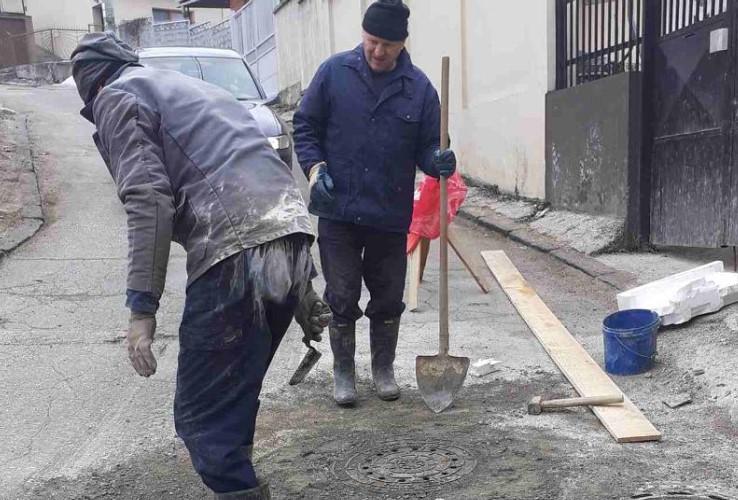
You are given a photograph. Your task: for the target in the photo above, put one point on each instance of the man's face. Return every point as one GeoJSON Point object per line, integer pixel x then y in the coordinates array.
{"type": "Point", "coordinates": [381, 54]}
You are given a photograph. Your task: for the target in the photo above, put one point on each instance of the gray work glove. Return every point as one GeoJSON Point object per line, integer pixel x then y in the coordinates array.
{"type": "Point", "coordinates": [313, 315]}
{"type": "Point", "coordinates": [141, 328]}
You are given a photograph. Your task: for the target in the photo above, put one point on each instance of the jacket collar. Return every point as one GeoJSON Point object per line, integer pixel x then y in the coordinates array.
{"type": "Point", "coordinates": [357, 61]}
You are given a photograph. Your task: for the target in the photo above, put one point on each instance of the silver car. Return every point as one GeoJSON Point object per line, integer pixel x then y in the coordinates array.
{"type": "Point", "coordinates": [227, 69]}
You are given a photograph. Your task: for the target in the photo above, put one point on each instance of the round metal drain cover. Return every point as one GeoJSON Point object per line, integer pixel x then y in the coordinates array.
{"type": "Point", "coordinates": [680, 496]}
{"type": "Point", "coordinates": [410, 463]}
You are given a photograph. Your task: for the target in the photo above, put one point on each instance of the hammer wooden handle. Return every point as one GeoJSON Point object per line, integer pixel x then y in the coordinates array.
{"type": "Point", "coordinates": [588, 401]}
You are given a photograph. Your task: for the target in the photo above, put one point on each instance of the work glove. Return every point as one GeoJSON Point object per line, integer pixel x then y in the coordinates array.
{"type": "Point", "coordinates": [444, 162]}
{"type": "Point", "coordinates": [313, 315]}
{"type": "Point", "coordinates": [321, 186]}
{"type": "Point", "coordinates": [141, 328]}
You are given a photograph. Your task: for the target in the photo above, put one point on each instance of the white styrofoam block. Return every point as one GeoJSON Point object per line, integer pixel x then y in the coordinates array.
{"type": "Point", "coordinates": [681, 297]}
{"type": "Point", "coordinates": [484, 367]}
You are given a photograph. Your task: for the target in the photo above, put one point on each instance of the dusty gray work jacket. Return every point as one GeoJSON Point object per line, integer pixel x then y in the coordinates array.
{"type": "Point", "coordinates": [191, 166]}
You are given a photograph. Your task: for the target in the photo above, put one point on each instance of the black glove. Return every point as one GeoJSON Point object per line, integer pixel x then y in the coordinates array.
{"type": "Point", "coordinates": [313, 315]}
{"type": "Point", "coordinates": [321, 186]}
{"type": "Point", "coordinates": [444, 163]}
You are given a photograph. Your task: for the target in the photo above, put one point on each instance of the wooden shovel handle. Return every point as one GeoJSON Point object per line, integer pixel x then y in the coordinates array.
{"type": "Point", "coordinates": [443, 291]}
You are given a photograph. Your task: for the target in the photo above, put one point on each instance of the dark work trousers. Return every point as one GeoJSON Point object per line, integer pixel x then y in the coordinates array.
{"type": "Point", "coordinates": [231, 328]}
{"type": "Point", "coordinates": [348, 253]}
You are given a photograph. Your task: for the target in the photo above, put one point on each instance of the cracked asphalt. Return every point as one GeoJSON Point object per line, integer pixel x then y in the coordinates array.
{"type": "Point", "coordinates": [77, 423]}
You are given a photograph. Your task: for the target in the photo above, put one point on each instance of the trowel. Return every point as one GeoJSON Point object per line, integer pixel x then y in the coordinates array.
{"type": "Point", "coordinates": [310, 359]}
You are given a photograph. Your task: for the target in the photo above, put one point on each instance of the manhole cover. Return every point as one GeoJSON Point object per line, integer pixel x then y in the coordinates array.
{"type": "Point", "coordinates": [410, 463]}
{"type": "Point", "coordinates": [680, 496]}
{"type": "Point", "coordinates": [684, 496]}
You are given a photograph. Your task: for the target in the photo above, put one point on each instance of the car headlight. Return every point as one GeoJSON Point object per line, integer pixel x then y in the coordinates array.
{"type": "Point", "coordinates": [280, 142]}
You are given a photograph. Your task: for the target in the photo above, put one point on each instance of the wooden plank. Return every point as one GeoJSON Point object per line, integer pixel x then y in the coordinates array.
{"type": "Point", "coordinates": [458, 247]}
{"type": "Point", "coordinates": [414, 262]}
{"type": "Point", "coordinates": [625, 422]}
{"type": "Point", "coordinates": [424, 251]}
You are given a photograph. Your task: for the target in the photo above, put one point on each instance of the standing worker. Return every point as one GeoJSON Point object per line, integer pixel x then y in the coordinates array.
{"type": "Point", "coordinates": [368, 119]}
{"type": "Point", "coordinates": [191, 166]}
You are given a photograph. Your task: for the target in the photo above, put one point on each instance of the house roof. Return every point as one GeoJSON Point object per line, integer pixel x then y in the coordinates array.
{"type": "Point", "coordinates": [207, 4]}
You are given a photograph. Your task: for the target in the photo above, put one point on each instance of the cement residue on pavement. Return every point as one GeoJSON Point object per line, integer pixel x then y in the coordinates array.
{"type": "Point", "coordinates": [588, 234]}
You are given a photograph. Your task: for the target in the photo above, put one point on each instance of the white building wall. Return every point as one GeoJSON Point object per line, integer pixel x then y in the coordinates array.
{"type": "Point", "coordinates": [501, 68]}
{"type": "Point", "coordinates": [303, 40]}
{"type": "Point", "coordinates": [126, 10]}
{"type": "Point", "coordinates": [73, 14]}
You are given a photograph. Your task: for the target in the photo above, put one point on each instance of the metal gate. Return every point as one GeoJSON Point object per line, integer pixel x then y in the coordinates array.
{"type": "Point", "coordinates": [254, 37]}
{"type": "Point", "coordinates": [694, 192]}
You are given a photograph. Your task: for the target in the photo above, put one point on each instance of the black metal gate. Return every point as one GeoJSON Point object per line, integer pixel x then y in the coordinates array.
{"type": "Point", "coordinates": [694, 193]}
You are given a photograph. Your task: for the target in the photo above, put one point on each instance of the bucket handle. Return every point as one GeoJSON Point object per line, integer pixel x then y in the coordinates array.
{"type": "Point", "coordinates": [652, 356]}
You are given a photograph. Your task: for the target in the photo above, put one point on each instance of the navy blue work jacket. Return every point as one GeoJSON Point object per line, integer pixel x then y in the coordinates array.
{"type": "Point", "coordinates": [371, 143]}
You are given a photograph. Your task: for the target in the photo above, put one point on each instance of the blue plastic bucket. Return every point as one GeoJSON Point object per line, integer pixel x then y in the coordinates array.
{"type": "Point", "coordinates": [630, 341]}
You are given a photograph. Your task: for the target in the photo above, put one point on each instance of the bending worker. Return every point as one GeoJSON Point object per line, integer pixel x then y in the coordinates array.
{"type": "Point", "coordinates": [191, 166]}
{"type": "Point", "coordinates": [367, 120]}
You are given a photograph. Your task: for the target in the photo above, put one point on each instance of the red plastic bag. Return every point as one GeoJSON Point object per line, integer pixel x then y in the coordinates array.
{"type": "Point", "coordinates": [426, 221]}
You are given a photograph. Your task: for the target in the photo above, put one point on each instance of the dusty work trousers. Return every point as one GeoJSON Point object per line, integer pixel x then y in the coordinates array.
{"type": "Point", "coordinates": [234, 319]}
{"type": "Point", "coordinates": [348, 253]}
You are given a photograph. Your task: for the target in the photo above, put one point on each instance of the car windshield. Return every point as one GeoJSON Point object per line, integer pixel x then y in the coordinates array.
{"type": "Point", "coordinates": [185, 65]}
{"type": "Point", "coordinates": [228, 73]}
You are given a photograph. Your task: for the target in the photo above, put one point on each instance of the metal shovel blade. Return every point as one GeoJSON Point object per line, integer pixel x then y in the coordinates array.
{"type": "Point", "coordinates": [440, 378]}
{"type": "Point", "coordinates": [308, 362]}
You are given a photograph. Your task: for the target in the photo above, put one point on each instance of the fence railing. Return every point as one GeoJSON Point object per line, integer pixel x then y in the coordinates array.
{"type": "Point", "coordinates": [54, 44]}
{"type": "Point", "coordinates": [596, 39]}
{"type": "Point", "coordinates": [677, 15]}
{"type": "Point", "coordinates": [600, 38]}
{"type": "Point", "coordinates": [253, 34]}
{"type": "Point", "coordinates": [217, 36]}
{"type": "Point", "coordinates": [144, 32]}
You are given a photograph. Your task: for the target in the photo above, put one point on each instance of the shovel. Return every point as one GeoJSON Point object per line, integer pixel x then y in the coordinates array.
{"type": "Point", "coordinates": [441, 377]}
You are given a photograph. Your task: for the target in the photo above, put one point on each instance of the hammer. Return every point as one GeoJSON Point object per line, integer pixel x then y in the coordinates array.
{"type": "Point", "coordinates": [537, 405]}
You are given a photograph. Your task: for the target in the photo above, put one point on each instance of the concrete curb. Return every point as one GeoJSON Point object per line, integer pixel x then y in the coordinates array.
{"type": "Point", "coordinates": [522, 233]}
{"type": "Point", "coordinates": [31, 217]}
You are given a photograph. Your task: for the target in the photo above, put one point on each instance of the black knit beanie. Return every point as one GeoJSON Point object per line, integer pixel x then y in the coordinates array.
{"type": "Point", "coordinates": [387, 19]}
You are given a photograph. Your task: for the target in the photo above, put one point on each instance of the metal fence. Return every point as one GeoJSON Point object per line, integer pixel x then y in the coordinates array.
{"type": "Point", "coordinates": [677, 15]}
{"type": "Point", "coordinates": [144, 32]}
{"type": "Point", "coordinates": [254, 37]}
{"type": "Point", "coordinates": [54, 44]}
{"type": "Point", "coordinates": [217, 36]}
{"type": "Point", "coordinates": [597, 38]}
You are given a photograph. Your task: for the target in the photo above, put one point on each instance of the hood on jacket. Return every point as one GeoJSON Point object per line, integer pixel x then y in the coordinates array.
{"type": "Point", "coordinates": [98, 57]}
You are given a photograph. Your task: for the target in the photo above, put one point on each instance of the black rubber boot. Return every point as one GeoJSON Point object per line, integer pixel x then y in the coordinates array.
{"type": "Point", "coordinates": [383, 340]}
{"type": "Point", "coordinates": [343, 344]}
{"type": "Point", "coordinates": [261, 492]}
